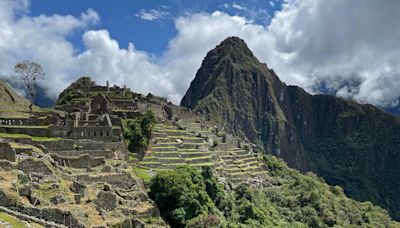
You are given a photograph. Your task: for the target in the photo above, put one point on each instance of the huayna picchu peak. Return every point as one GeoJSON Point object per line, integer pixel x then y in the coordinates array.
{"type": "Point", "coordinates": [105, 156]}
{"type": "Point", "coordinates": [352, 145]}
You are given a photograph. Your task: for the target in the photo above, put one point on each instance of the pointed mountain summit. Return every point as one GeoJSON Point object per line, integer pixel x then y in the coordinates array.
{"type": "Point", "coordinates": [12, 104]}
{"type": "Point", "coordinates": [349, 144]}
{"type": "Point", "coordinates": [241, 93]}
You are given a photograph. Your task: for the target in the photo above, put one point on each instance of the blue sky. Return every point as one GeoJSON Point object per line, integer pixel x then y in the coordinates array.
{"type": "Point", "coordinates": [126, 20]}
{"type": "Point", "coordinates": [347, 48]}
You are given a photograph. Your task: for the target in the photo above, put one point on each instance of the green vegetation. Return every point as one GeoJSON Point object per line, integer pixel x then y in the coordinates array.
{"type": "Point", "coordinates": [138, 131]}
{"type": "Point", "coordinates": [142, 173]}
{"type": "Point", "coordinates": [190, 198]}
{"type": "Point", "coordinates": [349, 144]}
{"type": "Point", "coordinates": [34, 138]}
{"type": "Point", "coordinates": [21, 126]}
{"type": "Point", "coordinates": [13, 221]}
{"type": "Point", "coordinates": [181, 195]}
{"type": "Point", "coordinates": [74, 90]}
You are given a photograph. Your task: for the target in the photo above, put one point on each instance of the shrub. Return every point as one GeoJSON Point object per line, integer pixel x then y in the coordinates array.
{"type": "Point", "coordinates": [138, 131]}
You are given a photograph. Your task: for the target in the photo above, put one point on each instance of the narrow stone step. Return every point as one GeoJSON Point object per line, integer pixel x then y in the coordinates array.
{"type": "Point", "coordinates": [167, 144]}
{"type": "Point", "coordinates": [163, 149]}
{"type": "Point", "coordinates": [239, 174]}
{"type": "Point", "coordinates": [199, 160]}
{"type": "Point", "coordinates": [164, 160]}
{"type": "Point", "coordinates": [176, 132]}
{"type": "Point", "coordinates": [195, 154]}
{"type": "Point", "coordinates": [151, 164]}
{"type": "Point", "coordinates": [166, 154]}
{"type": "Point", "coordinates": [160, 135]}
{"type": "Point", "coordinates": [149, 159]}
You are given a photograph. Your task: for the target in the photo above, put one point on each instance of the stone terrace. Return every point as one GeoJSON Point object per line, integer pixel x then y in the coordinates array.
{"type": "Point", "coordinates": [195, 146]}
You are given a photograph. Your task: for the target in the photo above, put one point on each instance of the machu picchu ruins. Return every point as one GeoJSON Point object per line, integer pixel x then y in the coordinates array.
{"type": "Point", "coordinates": [106, 156]}
{"type": "Point", "coordinates": [69, 166]}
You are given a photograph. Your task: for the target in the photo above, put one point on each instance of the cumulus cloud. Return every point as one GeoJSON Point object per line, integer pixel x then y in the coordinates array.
{"type": "Point", "coordinates": [337, 41]}
{"type": "Point", "coordinates": [152, 14]}
{"type": "Point", "coordinates": [253, 12]}
{"type": "Point", "coordinates": [345, 47]}
{"type": "Point", "coordinates": [42, 39]}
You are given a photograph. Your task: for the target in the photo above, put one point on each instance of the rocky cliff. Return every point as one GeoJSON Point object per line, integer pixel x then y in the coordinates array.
{"type": "Point", "coordinates": [349, 144]}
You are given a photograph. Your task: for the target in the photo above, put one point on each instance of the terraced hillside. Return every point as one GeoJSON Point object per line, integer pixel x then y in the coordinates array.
{"type": "Point", "coordinates": [11, 104]}
{"type": "Point", "coordinates": [196, 146]}
{"type": "Point", "coordinates": [72, 183]}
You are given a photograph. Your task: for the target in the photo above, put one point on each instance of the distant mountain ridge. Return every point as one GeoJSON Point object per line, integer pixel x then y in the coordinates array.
{"type": "Point", "coordinates": [349, 144]}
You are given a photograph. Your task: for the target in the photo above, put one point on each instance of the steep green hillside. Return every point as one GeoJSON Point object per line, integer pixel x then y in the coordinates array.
{"type": "Point", "coordinates": [353, 145]}
{"type": "Point", "coordinates": [187, 197]}
{"type": "Point", "coordinates": [11, 104]}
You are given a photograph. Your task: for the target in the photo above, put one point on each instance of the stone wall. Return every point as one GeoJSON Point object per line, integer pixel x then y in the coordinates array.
{"type": "Point", "coordinates": [116, 121]}
{"type": "Point", "coordinates": [41, 132]}
{"type": "Point", "coordinates": [108, 154]}
{"type": "Point", "coordinates": [104, 133]}
{"type": "Point", "coordinates": [23, 121]}
{"type": "Point", "coordinates": [29, 218]}
{"type": "Point", "coordinates": [124, 104]}
{"type": "Point", "coordinates": [63, 144]}
{"type": "Point", "coordinates": [87, 144]}
{"type": "Point", "coordinates": [127, 114]}
{"type": "Point", "coordinates": [80, 162]}
{"type": "Point", "coordinates": [117, 180]}
{"type": "Point", "coordinates": [56, 215]}
{"type": "Point", "coordinates": [7, 152]}
{"type": "Point", "coordinates": [6, 165]}
{"type": "Point", "coordinates": [33, 165]}
{"type": "Point", "coordinates": [5, 201]}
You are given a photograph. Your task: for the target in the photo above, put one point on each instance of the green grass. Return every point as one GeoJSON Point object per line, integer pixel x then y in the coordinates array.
{"type": "Point", "coordinates": [142, 173]}
{"type": "Point", "coordinates": [197, 158]}
{"type": "Point", "coordinates": [132, 157]}
{"type": "Point", "coordinates": [34, 138]}
{"type": "Point", "coordinates": [15, 222]}
{"type": "Point", "coordinates": [9, 126]}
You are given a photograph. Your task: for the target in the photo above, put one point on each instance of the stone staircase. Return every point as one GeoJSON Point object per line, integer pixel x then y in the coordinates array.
{"type": "Point", "coordinates": [172, 147]}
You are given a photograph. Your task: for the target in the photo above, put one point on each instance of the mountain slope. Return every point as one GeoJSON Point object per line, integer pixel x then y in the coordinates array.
{"type": "Point", "coordinates": [11, 104]}
{"type": "Point", "coordinates": [352, 145]}
{"type": "Point", "coordinates": [241, 93]}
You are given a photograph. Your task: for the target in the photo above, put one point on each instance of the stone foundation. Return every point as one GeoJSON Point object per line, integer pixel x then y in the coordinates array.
{"type": "Point", "coordinates": [31, 165]}
{"type": "Point", "coordinates": [80, 162]}
{"type": "Point", "coordinates": [7, 152]}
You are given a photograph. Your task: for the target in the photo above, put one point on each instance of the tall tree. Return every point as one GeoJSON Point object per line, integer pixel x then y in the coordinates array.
{"type": "Point", "coordinates": [29, 72]}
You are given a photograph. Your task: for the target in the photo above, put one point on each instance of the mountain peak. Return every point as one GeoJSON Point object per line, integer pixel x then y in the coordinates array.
{"type": "Point", "coordinates": [229, 65]}
{"type": "Point", "coordinates": [234, 48]}
{"type": "Point", "coordinates": [234, 41]}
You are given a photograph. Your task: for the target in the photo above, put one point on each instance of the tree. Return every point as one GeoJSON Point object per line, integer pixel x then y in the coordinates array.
{"type": "Point", "coordinates": [29, 72]}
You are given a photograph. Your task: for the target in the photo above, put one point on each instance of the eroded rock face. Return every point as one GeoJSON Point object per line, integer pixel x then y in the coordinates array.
{"type": "Point", "coordinates": [7, 152]}
{"type": "Point", "coordinates": [57, 199]}
{"type": "Point", "coordinates": [79, 188]}
{"type": "Point", "coordinates": [31, 165]}
{"type": "Point", "coordinates": [351, 145]}
{"type": "Point", "coordinates": [106, 200]}
{"type": "Point", "coordinates": [5, 200]}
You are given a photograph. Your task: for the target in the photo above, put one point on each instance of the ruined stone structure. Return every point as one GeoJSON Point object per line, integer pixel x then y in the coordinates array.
{"type": "Point", "coordinates": [7, 152]}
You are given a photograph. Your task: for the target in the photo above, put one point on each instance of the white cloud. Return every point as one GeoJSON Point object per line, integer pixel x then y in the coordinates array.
{"type": "Point", "coordinates": [308, 43]}
{"type": "Point", "coordinates": [338, 41]}
{"type": "Point", "coordinates": [42, 39]}
{"type": "Point", "coordinates": [105, 60]}
{"type": "Point", "coordinates": [250, 11]}
{"type": "Point", "coordinates": [272, 3]}
{"type": "Point", "coordinates": [153, 14]}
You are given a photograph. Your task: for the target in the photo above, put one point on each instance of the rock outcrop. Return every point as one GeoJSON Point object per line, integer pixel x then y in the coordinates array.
{"type": "Point", "coordinates": [349, 144]}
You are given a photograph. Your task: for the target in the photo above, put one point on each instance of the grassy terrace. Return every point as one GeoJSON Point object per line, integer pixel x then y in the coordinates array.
{"type": "Point", "coordinates": [22, 126]}
{"type": "Point", "coordinates": [142, 173]}
{"type": "Point", "coordinates": [15, 222]}
{"type": "Point", "coordinates": [23, 136]}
